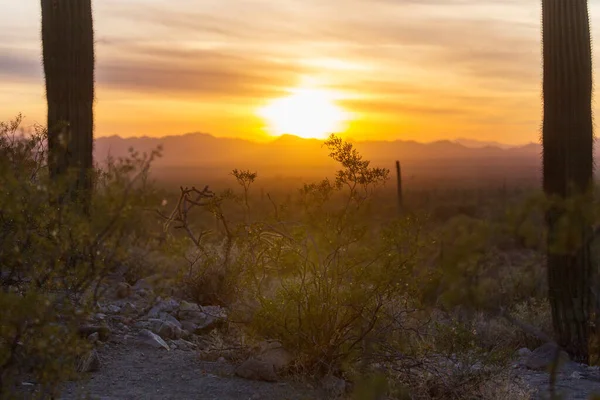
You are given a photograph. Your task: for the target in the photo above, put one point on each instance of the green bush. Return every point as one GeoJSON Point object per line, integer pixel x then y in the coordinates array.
{"type": "Point", "coordinates": [53, 257]}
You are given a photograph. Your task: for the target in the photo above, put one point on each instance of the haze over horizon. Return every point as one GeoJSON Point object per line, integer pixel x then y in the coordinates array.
{"type": "Point", "coordinates": [422, 70]}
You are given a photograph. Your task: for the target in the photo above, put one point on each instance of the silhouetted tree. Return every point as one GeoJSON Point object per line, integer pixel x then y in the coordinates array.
{"type": "Point", "coordinates": [68, 51]}
{"type": "Point", "coordinates": [568, 168]}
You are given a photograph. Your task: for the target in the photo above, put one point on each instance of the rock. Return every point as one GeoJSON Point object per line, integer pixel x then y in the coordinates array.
{"type": "Point", "coordinates": [141, 325]}
{"type": "Point", "coordinates": [200, 319]}
{"type": "Point", "coordinates": [542, 358]}
{"type": "Point", "coordinates": [122, 326]}
{"type": "Point", "coordinates": [520, 357]}
{"type": "Point", "coordinates": [165, 306]}
{"type": "Point", "coordinates": [523, 352]}
{"type": "Point", "coordinates": [256, 370]}
{"type": "Point", "coordinates": [94, 337]}
{"type": "Point", "coordinates": [151, 339]}
{"type": "Point", "coordinates": [171, 319]}
{"type": "Point", "coordinates": [196, 317]}
{"type": "Point", "coordinates": [113, 309]}
{"type": "Point", "coordinates": [187, 306]}
{"type": "Point", "coordinates": [123, 290]}
{"type": "Point", "coordinates": [142, 284]}
{"type": "Point", "coordinates": [102, 331]}
{"type": "Point", "coordinates": [89, 362]}
{"type": "Point", "coordinates": [165, 329]}
{"type": "Point", "coordinates": [186, 334]}
{"type": "Point", "coordinates": [215, 311]}
{"type": "Point", "coordinates": [100, 316]}
{"type": "Point", "coordinates": [128, 309]}
{"type": "Point", "coordinates": [184, 345]}
{"type": "Point", "coordinates": [189, 326]}
{"type": "Point", "coordinates": [191, 312]}
{"type": "Point", "coordinates": [333, 385]}
{"type": "Point", "coordinates": [272, 352]}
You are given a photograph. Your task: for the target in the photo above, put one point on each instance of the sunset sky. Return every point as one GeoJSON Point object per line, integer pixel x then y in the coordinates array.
{"type": "Point", "coordinates": [399, 69]}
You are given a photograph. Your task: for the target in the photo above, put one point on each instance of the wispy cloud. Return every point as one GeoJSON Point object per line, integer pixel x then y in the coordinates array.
{"type": "Point", "coordinates": [466, 60]}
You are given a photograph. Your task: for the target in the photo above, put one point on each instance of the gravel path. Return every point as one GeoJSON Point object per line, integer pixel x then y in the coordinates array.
{"type": "Point", "coordinates": [132, 372]}
{"type": "Point", "coordinates": [574, 383]}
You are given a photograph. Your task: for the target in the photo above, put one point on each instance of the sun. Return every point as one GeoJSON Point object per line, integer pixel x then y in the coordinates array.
{"type": "Point", "coordinates": [306, 112]}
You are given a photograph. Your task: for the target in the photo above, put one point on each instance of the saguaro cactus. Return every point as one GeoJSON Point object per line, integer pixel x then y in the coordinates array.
{"type": "Point", "coordinates": [68, 51]}
{"type": "Point", "coordinates": [399, 187]}
{"type": "Point", "coordinates": [568, 167]}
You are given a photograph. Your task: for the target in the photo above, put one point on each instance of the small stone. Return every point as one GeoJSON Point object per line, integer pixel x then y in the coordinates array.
{"type": "Point", "coordinates": [123, 290]}
{"type": "Point", "coordinates": [128, 309]}
{"type": "Point", "coordinates": [523, 352]}
{"type": "Point", "coordinates": [113, 309]}
{"type": "Point", "coordinates": [151, 339]}
{"type": "Point", "coordinates": [102, 330]}
{"type": "Point", "coordinates": [94, 337]}
{"type": "Point", "coordinates": [272, 352]}
{"type": "Point", "coordinates": [141, 325]}
{"type": "Point", "coordinates": [163, 306]}
{"type": "Point", "coordinates": [170, 319]}
{"type": "Point", "coordinates": [165, 329]}
{"type": "Point", "coordinates": [122, 326]}
{"type": "Point", "coordinates": [576, 375]}
{"type": "Point", "coordinates": [187, 306]}
{"type": "Point", "coordinates": [189, 326]}
{"type": "Point", "coordinates": [544, 356]}
{"type": "Point", "coordinates": [142, 284]}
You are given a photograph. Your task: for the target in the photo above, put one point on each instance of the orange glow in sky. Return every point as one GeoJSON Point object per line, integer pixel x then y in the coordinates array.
{"type": "Point", "coordinates": [413, 70]}
{"type": "Point", "coordinates": [306, 112]}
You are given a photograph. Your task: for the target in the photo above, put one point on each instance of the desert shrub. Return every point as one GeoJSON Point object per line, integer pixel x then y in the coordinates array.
{"type": "Point", "coordinates": [315, 273]}
{"type": "Point", "coordinates": [210, 273]}
{"type": "Point", "coordinates": [325, 283]}
{"type": "Point", "coordinates": [524, 224]}
{"type": "Point", "coordinates": [534, 312]}
{"type": "Point", "coordinates": [350, 295]}
{"type": "Point", "coordinates": [52, 256]}
{"type": "Point", "coordinates": [463, 261]}
{"type": "Point", "coordinates": [472, 272]}
{"type": "Point", "coordinates": [445, 360]}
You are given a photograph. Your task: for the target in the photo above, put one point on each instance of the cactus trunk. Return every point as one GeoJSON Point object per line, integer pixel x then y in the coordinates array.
{"type": "Point", "coordinates": [68, 53]}
{"type": "Point", "coordinates": [399, 187]}
{"type": "Point", "coordinates": [568, 167]}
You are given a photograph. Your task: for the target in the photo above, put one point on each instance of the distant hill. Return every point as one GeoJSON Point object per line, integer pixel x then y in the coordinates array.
{"type": "Point", "coordinates": [205, 157]}
{"type": "Point", "coordinates": [479, 143]}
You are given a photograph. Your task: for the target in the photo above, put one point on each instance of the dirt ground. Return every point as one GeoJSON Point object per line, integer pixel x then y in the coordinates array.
{"type": "Point", "coordinates": [131, 372]}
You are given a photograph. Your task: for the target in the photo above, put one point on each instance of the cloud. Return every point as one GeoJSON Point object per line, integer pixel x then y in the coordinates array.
{"type": "Point", "coordinates": [462, 53]}
{"type": "Point", "coordinates": [15, 65]}
{"type": "Point", "coordinates": [424, 34]}
{"type": "Point", "coordinates": [167, 42]}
